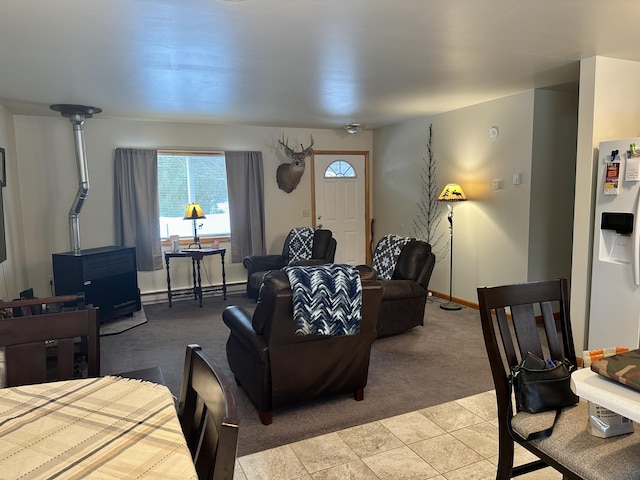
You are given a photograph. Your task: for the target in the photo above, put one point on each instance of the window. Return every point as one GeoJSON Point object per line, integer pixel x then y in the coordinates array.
{"type": "Point", "coordinates": [193, 177]}
{"type": "Point", "coordinates": [339, 168]}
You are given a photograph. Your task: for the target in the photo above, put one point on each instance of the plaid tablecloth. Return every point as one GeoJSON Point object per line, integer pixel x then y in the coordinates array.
{"type": "Point", "coordinates": [106, 427]}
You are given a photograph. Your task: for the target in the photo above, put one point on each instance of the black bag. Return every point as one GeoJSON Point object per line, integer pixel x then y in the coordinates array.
{"type": "Point", "coordinates": [540, 387]}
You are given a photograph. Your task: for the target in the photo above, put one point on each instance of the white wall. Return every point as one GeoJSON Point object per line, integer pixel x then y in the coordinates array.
{"type": "Point", "coordinates": [553, 184]}
{"type": "Point", "coordinates": [13, 271]}
{"type": "Point", "coordinates": [48, 177]}
{"type": "Point", "coordinates": [491, 229]}
{"type": "Point", "coordinates": [609, 109]}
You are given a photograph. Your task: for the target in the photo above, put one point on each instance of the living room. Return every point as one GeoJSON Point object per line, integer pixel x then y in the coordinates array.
{"type": "Point", "coordinates": [41, 182]}
{"type": "Point", "coordinates": [544, 132]}
{"type": "Point", "coordinates": [461, 151]}
{"type": "Point", "coordinates": [41, 172]}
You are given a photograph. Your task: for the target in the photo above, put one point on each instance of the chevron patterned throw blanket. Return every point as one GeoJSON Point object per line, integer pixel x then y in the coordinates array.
{"type": "Point", "coordinates": [327, 299]}
{"type": "Point", "coordinates": [300, 244]}
{"type": "Point", "coordinates": [386, 255]}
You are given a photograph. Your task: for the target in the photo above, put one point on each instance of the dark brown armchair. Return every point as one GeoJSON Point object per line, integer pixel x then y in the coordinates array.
{"type": "Point", "coordinates": [323, 251]}
{"type": "Point", "coordinates": [404, 295]}
{"type": "Point", "coordinates": [276, 367]}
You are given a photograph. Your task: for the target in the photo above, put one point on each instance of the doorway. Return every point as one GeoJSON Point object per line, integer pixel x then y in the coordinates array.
{"type": "Point", "coordinates": [340, 201]}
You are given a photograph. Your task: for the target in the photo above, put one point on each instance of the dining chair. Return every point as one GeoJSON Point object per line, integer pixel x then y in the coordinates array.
{"type": "Point", "coordinates": [50, 346]}
{"type": "Point", "coordinates": [207, 413]}
{"type": "Point", "coordinates": [534, 317]}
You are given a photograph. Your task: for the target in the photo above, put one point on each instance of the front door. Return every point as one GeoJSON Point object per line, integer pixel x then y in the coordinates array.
{"type": "Point", "coordinates": [341, 203]}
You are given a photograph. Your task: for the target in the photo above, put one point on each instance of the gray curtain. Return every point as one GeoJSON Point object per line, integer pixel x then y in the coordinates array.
{"type": "Point", "coordinates": [245, 181]}
{"type": "Point", "coordinates": [137, 214]}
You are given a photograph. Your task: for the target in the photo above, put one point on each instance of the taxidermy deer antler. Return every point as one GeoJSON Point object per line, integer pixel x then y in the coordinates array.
{"type": "Point", "coordinates": [288, 174]}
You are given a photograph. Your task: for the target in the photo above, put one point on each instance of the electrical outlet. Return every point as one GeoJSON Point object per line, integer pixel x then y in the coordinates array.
{"type": "Point", "coordinates": [306, 213]}
{"type": "Point", "coordinates": [497, 184]}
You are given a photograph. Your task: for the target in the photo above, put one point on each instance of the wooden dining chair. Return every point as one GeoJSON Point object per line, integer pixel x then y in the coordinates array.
{"type": "Point", "coordinates": [51, 346]}
{"type": "Point", "coordinates": [534, 317]}
{"type": "Point", "coordinates": [207, 412]}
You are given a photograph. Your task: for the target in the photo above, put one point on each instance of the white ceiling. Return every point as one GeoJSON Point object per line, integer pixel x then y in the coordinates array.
{"type": "Point", "coordinates": [307, 63]}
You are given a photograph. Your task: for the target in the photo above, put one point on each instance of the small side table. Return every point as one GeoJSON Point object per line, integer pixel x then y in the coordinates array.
{"type": "Point", "coordinates": [196, 256]}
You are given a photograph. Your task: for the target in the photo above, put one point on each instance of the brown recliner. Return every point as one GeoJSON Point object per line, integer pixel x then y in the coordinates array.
{"type": "Point", "coordinates": [276, 368]}
{"type": "Point", "coordinates": [323, 251]}
{"type": "Point", "coordinates": [404, 296]}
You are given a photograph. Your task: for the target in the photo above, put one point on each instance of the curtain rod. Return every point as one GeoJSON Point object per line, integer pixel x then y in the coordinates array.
{"type": "Point", "coordinates": [166, 151]}
{"type": "Point", "coordinates": [190, 152]}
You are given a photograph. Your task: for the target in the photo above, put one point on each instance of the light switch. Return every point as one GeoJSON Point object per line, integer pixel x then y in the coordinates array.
{"type": "Point", "coordinates": [517, 178]}
{"type": "Point", "coordinates": [306, 213]}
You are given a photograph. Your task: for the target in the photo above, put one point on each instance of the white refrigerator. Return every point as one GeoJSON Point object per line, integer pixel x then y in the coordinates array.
{"type": "Point", "coordinates": [614, 318]}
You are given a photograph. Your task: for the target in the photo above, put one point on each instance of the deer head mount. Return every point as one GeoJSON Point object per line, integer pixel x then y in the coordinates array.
{"type": "Point", "coordinates": [288, 174]}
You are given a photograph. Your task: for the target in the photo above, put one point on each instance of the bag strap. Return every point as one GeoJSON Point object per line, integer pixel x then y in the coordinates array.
{"type": "Point", "coordinates": [547, 431]}
{"type": "Point", "coordinates": [534, 435]}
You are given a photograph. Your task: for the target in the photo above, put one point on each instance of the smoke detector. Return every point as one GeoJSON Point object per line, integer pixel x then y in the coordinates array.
{"type": "Point", "coordinates": [354, 128]}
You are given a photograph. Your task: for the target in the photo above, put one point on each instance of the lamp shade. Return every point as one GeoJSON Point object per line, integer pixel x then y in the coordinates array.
{"type": "Point", "coordinates": [452, 192]}
{"type": "Point", "coordinates": [193, 212]}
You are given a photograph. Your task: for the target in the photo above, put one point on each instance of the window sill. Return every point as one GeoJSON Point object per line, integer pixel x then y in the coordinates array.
{"type": "Point", "coordinates": [189, 240]}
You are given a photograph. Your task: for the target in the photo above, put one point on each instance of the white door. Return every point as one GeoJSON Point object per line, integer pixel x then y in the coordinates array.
{"type": "Point", "coordinates": [340, 202]}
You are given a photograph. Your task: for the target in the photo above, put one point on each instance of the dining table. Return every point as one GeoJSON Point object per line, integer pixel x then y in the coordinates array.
{"type": "Point", "coordinates": [106, 427]}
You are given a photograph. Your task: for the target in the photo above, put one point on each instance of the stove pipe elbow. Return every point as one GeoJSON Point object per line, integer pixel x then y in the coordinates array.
{"type": "Point", "coordinates": [83, 179]}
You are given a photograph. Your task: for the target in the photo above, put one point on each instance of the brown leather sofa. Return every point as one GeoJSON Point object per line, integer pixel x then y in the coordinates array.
{"type": "Point", "coordinates": [404, 296]}
{"type": "Point", "coordinates": [276, 368]}
{"type": "Point", "coordinates": [323, 251]}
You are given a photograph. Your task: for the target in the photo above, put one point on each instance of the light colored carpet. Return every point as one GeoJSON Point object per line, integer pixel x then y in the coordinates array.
{"type": "Point", "coordinates": [123, 324]}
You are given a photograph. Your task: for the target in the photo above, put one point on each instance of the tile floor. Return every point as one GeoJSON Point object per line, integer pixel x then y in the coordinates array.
{"type": "Point", "coordinates": [452, 441]}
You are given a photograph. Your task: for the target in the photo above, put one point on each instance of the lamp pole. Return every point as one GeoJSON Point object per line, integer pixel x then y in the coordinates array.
{"type": "Point", "coordinates": [196, 240]}
{"type": "Point", "coordinates": [450, 305]}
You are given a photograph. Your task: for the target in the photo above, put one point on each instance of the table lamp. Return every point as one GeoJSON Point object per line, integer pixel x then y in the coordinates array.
{"type": "Point", "coordinates": [194, 212]}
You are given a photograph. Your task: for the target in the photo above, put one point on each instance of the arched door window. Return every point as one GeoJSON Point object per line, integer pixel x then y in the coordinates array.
{"type": "Point", "coordinates": [340, 168]}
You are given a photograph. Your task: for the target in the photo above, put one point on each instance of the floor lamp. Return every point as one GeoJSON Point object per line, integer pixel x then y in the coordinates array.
{"type": "Point", "coordinates": [452, 192]}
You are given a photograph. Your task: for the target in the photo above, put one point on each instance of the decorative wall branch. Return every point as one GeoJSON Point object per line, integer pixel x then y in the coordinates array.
{"type": "Point", "coordinates": [427, 221]}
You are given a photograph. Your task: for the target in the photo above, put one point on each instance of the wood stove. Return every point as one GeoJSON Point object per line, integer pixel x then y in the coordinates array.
{"type": "Point", "coordinates": [106, 275]}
